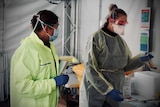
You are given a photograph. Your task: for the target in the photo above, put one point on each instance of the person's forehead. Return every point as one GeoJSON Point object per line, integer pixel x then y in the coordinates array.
{"type": "Point", "coordinates": [122, 18]}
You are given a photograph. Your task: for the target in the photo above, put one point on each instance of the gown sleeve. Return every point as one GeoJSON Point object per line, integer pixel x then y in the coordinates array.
{"type": "Point", "coordinates": [133, 62]}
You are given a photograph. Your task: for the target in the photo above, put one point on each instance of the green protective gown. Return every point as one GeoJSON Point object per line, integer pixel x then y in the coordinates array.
{"type": "Point", "coordinates": [107, 58]}
{"type": "Point", "coordinates": [33, 67]}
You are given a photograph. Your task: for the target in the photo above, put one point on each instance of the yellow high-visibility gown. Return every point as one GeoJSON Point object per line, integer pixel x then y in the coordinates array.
{"type": "Point", "coordinates": [33, 67]}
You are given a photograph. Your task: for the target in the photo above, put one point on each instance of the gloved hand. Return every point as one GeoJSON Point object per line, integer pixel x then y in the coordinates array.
{"type": "Point", "coordinates": [61, 79]}
{"type": "Point", "coordinates": [146, 57]}
{"type": "Point", "coordinates": [115, 95]}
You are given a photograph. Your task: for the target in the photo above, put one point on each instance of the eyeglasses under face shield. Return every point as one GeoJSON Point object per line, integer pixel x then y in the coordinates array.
{"type": "Point", "coordinates": [118, 22]}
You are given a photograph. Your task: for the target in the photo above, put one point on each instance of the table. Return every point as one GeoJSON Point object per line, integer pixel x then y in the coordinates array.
{"type": "Point", "coordinates": [139, 101]}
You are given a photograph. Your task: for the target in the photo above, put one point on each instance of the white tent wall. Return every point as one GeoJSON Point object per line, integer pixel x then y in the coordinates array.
{"type": "Point", "coordinates": [1, 25]}
{"type": "Point", "coordinates": [94, 12]}
{"type": "Point", "coordinates": [89, 22]}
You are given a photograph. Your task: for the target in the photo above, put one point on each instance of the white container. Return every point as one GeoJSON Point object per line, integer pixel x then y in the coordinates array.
{"type": "Point", "coordinates": [127, 87]}
{"type": "Point", "coordinates": [147, 84]}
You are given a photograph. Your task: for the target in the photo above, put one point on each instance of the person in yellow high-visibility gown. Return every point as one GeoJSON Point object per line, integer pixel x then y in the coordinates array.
{"type": "Point", "coordinates": [35, 77]}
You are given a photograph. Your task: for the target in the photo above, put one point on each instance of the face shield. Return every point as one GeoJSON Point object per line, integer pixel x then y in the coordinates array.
{"type": "Point", "coordinates": [56, 31]}
{"type": "Point", "coordinates": [55, 34]}
{"type": "Point", "coordinates": [118, 26]}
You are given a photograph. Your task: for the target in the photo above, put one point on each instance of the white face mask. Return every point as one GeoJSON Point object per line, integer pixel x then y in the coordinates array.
{"type": "Point", "coordinates": [119, 29]}
{"type": "Point", "coordinates": [55, 34]}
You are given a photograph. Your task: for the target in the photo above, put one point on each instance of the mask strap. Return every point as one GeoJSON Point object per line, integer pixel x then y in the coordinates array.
{"type": "Point", "coordinates": [42, 24]}
{"type": "Point", "coordinates": [38, 20]}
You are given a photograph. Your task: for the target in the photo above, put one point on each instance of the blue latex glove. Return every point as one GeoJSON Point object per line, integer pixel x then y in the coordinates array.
{"type": "Point", "coordinates": [146, 57]}
{"type": "Point", "coordinates": [115, 95]}
{"type": "Point", "coordinates": [61, 79]}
